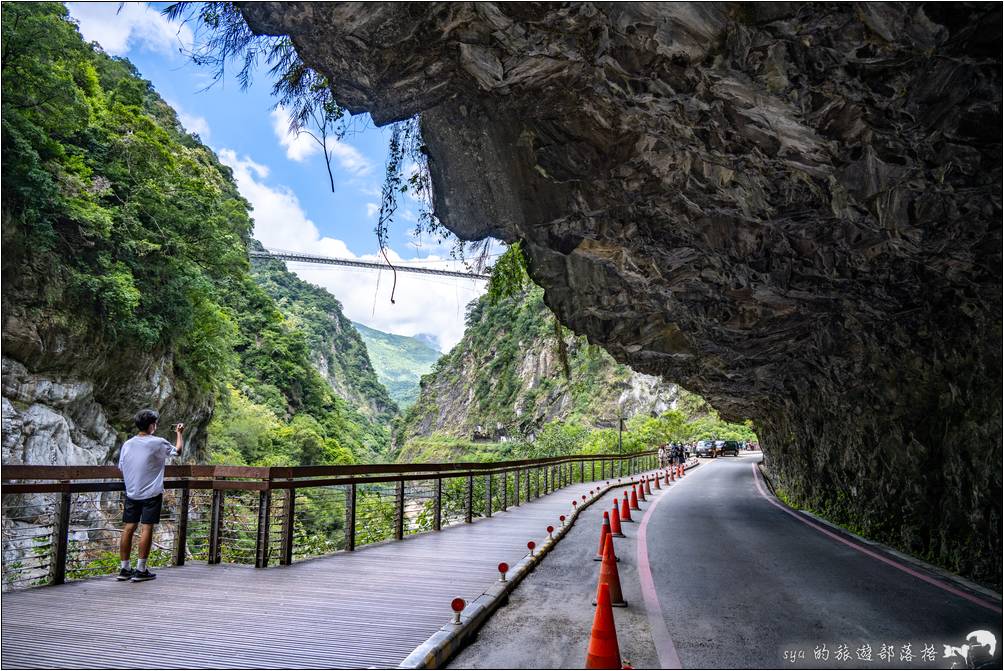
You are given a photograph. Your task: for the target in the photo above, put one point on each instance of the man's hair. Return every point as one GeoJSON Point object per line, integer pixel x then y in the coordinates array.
{"type": "Point", "coordinates": [146, 418]}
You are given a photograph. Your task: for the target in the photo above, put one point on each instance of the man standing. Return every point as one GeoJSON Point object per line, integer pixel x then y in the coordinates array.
{"type": "Point", "coordinates": [142, 461]}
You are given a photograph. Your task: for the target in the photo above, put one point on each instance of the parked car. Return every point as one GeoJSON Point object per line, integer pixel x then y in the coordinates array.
{"type": "Point", "coordinates": [705, 448]}
{"type": "Point", "coordinates": [730, 447]}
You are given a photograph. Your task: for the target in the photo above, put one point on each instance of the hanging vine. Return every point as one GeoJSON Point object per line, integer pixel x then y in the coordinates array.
{"type": "Point", "coordinates": [223, 38]}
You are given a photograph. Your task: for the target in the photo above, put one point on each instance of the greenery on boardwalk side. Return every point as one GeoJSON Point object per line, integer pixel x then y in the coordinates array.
{"type": "Point", "coordinates": [126, 236]}
{"type": "Point", "coordinates": [126, 232]}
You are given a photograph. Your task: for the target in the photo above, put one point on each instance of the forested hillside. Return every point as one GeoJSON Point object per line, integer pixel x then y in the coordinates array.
{"type": "Point", "coordinates": [337, 349]}
{"type": "Point", "coordinates": [399, 362]}
{"type": "Point", "coordinates": [505, 390]}
{"type": "Point", "coordinates": [126, 281]}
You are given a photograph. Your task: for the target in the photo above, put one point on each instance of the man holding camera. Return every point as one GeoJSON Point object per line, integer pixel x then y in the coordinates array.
{"type": "Point", "coordinates": [142, 462]}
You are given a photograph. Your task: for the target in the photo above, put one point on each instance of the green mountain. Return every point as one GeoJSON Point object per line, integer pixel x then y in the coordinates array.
{"type": "Point", "coordinates": [126, 281]}
{"type": "Point", "coordinates": [399, 361]}
{"type": "Point", "coordinates": [506, 378]}
{"type": "Point", "coordinates": [337, 350]}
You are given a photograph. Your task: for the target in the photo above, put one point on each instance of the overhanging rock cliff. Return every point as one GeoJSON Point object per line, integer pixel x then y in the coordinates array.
{"type": "Point", "coordinates": [792, 210]}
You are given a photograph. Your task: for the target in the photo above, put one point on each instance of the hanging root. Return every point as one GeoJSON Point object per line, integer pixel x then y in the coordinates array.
{"type": "Point", "coordinates": [393, 288]}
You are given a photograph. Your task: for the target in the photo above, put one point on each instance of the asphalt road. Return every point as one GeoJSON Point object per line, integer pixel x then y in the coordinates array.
{"type": "Point", "coordinates": [738, 583]}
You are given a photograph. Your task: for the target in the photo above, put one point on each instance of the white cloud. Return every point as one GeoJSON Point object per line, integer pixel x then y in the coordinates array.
{"type": "Point", "coordinates": [192, 122]}
{"type": "Point", "coordinates": [349, 158]}
{"type": "Point", "coordinates": [119, 27]}
{"type": "Point", "coordinates": [423, 304]}
{"type": "Point", "coordinates": [195, 124]}
{"type": "Point", "coordinates": [301, 146]}
{"type": "Point", "coordinates": [372, 210]}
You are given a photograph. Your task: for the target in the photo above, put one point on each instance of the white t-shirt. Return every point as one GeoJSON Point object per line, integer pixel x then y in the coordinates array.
{"type": "Point", "coordinates": [142, 461]}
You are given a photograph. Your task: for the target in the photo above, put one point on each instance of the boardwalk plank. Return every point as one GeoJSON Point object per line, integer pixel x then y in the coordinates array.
{"type": "Point", "coordinates": [368, 608]}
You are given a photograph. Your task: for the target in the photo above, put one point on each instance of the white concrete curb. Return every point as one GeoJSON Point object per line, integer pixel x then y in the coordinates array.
{"type": "Point", "coordinates": [451, 638]}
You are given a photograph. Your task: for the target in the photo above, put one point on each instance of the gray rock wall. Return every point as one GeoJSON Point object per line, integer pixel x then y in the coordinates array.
{"type": "Point", "coordinates": [791, 209]}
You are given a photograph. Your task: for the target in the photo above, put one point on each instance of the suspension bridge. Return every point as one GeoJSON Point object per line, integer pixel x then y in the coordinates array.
{"type": "Point", "coordinates": [284, 255]}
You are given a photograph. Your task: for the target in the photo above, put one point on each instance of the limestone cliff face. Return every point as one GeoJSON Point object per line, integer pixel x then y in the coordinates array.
{"type": "Point", "coordinates": [68, 404]}
{"type": "Point", "coordinates": [506, 376]}
{"type": "Point", "coordinates": [793, 210]}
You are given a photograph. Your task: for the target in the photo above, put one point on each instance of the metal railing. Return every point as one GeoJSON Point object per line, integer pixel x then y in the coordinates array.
{"type": "Point", "coordinates": [62, 522]}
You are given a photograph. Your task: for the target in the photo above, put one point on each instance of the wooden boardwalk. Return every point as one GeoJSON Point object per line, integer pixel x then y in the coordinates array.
{"type": "Point", "coordinates": [368, 608]}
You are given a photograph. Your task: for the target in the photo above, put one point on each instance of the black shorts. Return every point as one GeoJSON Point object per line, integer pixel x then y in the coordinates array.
{"type": "Point", "coordinates": [146, 511]}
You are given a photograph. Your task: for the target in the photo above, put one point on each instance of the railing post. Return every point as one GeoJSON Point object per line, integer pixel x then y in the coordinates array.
{"type": "Point", "coordinates": [215, 527]}
{"type": "Point", "coordinates": [437, 513]}
{"type": "Point", "coordinates": [469, 507]}
{"type": "Point", "coordinates": [537, 477]}
{"type": "Point", "coordinates": [592, 469]}
{"type": "Point", "coordinates": [181, 530]}
{"type": "Point", "coordinates": [488, 495]}
{"type": "Point", "coordinates": [505, 490]}
{"type": "Point", "coordinates": [61, 540]}
{"type": "Point", "coordinates": [399, 511]}
{"type": "Point", "coordinates": [288, 527]}
{"type": "Point", "coordinates": [350, 518]}
{"type": "Point", "coordinates": [264, 527]}
{"type": "Point", "coordinates": [582, 471]}
{"type": "Point", "coordinates": [515, 487]}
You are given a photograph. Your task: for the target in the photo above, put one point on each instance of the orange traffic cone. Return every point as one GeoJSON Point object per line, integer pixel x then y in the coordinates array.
{"type": "Point", "coordinates": [641, 492]}
{"type": "Point", "coordinates": [658, 477]}
{"type": "Point", "coordinates": [625, 510]}
{"type": "Point", "coordinates": [603, 651]}
{"type": "Point", "coordinates": [615, 523]}
{"type": "Point", "coordinates": [604, 532]}
{"type": "Point", "coordinates": [648, 486]}
{"type": "Point", "coordinates": [610, 577]}
{"type": "Point", "coordinates": [634, 499]}
{"type": "Point", "coordinates": [683, 471]}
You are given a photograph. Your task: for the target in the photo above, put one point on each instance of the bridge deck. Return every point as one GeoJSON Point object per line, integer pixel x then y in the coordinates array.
{"type": "Point", "coordinates": [370, 607]}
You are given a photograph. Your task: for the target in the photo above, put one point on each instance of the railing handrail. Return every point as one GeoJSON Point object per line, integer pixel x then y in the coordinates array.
{"type": "Point", "coordinates": [14, 476]}
{"type": "Point", "coordinates": [228, 484]}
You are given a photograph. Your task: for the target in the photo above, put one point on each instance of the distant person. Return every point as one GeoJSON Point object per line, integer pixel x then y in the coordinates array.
{"type": "Point", "coordinates": [142, 461]}
{"type": "Point", "coordinates": [662, 456]}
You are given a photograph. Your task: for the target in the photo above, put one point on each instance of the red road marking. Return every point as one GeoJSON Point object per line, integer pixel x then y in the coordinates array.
{"type": "Point", "coordinates": [874, 555]}
{"type": "Point", "coordinates": [664, 648]}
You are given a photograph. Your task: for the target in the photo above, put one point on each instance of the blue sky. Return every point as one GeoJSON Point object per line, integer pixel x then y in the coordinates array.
{"type": "Point", "coordinates": [285, 180]}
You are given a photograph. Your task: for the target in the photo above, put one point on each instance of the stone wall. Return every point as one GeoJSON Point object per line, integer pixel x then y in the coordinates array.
{"type": "Point", "coordinates": [793, 210]}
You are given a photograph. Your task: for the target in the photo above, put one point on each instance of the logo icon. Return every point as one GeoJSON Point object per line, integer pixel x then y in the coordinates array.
{"type": "Point", "coordinates": [978, 650]}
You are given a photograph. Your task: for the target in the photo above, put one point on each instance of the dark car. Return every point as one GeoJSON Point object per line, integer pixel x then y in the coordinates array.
{"type": "Point", "coordinates": [730, 447]}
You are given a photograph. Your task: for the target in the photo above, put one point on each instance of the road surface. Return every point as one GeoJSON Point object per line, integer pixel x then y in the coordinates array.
{"type": "Point", "coordinates": [736, 580]}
